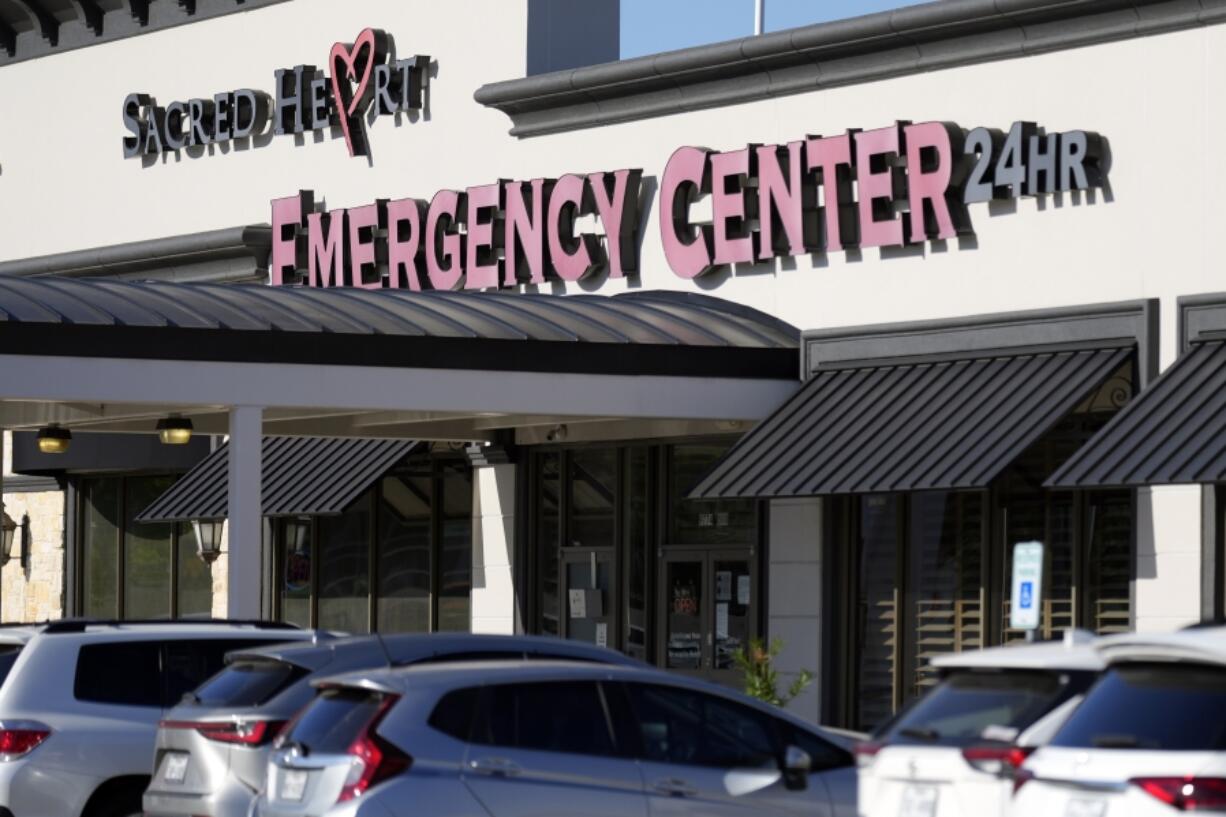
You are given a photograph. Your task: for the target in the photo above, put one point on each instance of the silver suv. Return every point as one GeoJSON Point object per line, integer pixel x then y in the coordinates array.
{"type": "Point", "coordinates": [80, 702]}
{"type": "Point", "coordinates": [212, 750]}
{"type": "Point", "coordinates": [551, 739]}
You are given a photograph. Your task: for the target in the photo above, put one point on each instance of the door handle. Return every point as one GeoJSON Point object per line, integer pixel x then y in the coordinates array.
{"type": "Point", "coordinates": [495, 766]}
{"type": "Point", "coordinates": [675, 788]}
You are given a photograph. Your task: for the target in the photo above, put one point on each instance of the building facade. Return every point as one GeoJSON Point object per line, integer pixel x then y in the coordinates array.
{"type": "Point", "coordinates": [792, 337]}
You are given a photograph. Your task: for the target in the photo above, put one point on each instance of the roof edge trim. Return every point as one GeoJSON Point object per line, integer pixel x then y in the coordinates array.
{"type": "Point", "coordinates": [904, 41]}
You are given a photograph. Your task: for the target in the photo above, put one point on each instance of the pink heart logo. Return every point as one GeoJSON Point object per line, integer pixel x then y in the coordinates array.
{"type": "Point", "coordinates": [356, 63]}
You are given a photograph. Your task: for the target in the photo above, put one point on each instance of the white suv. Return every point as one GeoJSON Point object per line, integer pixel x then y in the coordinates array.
{"type": "Point", "coordinates": [80, 703]}
{"type": "Point", "coordinates": [953, 753]}
{"type": "Point", "coordinates": [1149, 739]}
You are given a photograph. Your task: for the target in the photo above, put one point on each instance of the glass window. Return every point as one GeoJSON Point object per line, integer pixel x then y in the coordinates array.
{"type": "Point", "coordinates": [1108, 585]}
{"type": "Point", "coordinates": [127, 673]}
{"type": "Point", "coordinates": [548, 538]}
{"type": "Point", "coordinates": [100, 548]}
{"type": "Point", "coordinates": [186, 664]}
{"type": "Point", "coordinates": [453, 715]}
{"type": "Point", "coordinates": [195, 578]}
{"type": "Point", "coordinates": [138, 570]}
{"type": "Point", "coordinates": [705, 521]}
{"type": "Point", "coordinates": [686, 727]}
{"type": "Point", "coordinates": [248, 683]}
{"type": "Point", "coordinates": [406, 531]}
{"type": "Point", "coordinates": [147, 552]}
{"type": "Point", "coordinates": [638, 558]}
{"type": "Point", "coordinates": [1175, 708]}
{"type": "Point", "coordinates": [344, 569]}
{"type": "Point", "coordinates": [568, 717]}
{"type": "Point", "coordinates": [823, 755]}
{"type": "Point", "coordinates": [958, 710]}
{"type": "Point", "coordinates": [296, 579]}
{"type": "Point", "coordinates": [456, 548]}
{"type": "Point", "coordinates": [593, 495]}
{"type": "Point", "coordinates": [946, 560]}
{"type": "Point", "coordinates": [877, 608]}
{"type": "Point", "coordinates": [334, 720]}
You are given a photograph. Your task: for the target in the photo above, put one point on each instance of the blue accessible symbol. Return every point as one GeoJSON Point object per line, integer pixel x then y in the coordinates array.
{"type": "Point", "coordinates": [1026, 596]}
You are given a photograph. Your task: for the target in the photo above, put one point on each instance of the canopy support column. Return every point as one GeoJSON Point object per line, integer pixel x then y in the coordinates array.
{"type": "Point", "coordinates": [243, 581]}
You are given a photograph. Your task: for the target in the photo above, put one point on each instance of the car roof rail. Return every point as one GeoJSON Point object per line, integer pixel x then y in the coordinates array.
{"type": "Point", "coordinates": [78, 625]}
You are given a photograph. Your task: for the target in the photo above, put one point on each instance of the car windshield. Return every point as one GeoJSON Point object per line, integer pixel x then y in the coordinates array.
{"type": "Point", "coordinates": [1176, 707]}
{"type": "Point", "coordinates": [969, 707]}
{"type": "Point", "coordinates": [331, 722]}
{"type": "Point", "coordinates": [248, 683]}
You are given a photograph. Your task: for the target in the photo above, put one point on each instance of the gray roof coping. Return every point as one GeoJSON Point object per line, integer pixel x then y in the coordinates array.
{"type": "Point", "coordinates": [903, 41]}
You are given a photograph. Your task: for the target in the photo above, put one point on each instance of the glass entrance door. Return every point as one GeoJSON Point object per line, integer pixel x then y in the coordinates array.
{"type": "Point", "coordinates": [588, 605]}
{"type": "Point", "coordinates": [709, 611]}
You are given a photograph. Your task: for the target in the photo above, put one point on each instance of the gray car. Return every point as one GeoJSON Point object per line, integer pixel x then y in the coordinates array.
{"type": "Point", "coordinates": [551, 739]}
{"type": "Point", "coordinates": [212, 750]}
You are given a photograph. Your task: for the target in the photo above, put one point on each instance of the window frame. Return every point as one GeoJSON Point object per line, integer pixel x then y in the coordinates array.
{"type": "Point", "coordinates": [437, 466]}
{"type": "Point", "coordinates": [81, 494]}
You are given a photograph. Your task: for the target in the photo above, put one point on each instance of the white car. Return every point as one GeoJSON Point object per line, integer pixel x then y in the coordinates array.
{"type": "Point", "coordinates": [80, 703]}
{"type": "Point", "coordinates": [1148, 740]}
{"type": "Point", "coordinates": [953, 752]}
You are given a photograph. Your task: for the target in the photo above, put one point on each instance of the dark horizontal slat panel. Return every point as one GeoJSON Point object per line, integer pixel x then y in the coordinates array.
{"type": "Point", "coordinates": [301, 476]}
{"type": "Point", "coordinates": [1173, 433]}
{"type": "Point", "coordinates": [909, 427]}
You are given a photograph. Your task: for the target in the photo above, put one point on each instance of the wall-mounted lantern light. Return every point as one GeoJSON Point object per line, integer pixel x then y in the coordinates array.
{"type": "Point", "coordinates": [9, 533]}
{"type": "Point", "coordinates": [174, 430]}
{"type": "Point", "coordinates": [208, 538]}
{"type": "Point", "coordinates": [54, 440]}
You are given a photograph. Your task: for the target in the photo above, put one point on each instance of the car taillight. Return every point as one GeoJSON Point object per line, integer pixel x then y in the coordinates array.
{"type": "Point", "coordinates": [19, 739]}
{"type": "Point", "coordinates": [998, 760]}
{"type": "Point", "coordinates": [245, 733]}
{"type": "Point", "coordinates": [1186, 793]}
{"type": "Point", "coordinates": [374, 759]}
{"type": "Point", "coordinates": [866, 752]}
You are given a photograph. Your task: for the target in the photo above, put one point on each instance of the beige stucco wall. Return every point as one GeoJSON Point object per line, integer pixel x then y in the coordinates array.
{"type": "Point", "coordinates": [1159, 100]}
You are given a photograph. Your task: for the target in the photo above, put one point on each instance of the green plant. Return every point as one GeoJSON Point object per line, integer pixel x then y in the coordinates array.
{"type": "Point", "coordinates": [761, 677]}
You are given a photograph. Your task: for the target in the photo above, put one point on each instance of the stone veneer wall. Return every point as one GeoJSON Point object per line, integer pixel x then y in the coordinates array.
{"type": "Point", "coordinates": [35, 593]}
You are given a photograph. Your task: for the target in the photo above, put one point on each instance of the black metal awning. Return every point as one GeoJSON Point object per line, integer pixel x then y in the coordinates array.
{"type": "Point", "coordinates": [1173, 432]}
{"type": "Point", "coordinates": [909, 426]}
{"type": "Point", "coordinates": [301, 476]}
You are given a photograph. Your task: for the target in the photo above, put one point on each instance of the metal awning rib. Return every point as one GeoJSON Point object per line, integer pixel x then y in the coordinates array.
{"type": "Point", "coordinates": [1173, 432]}
{"type": "Point", "coordinates": [302, 475]}
{"type": "Point", "coordinates": [908, 427]}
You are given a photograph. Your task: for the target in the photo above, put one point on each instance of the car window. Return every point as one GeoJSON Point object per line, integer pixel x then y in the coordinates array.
{"type": "Point", "coordinates": [127, 673]}
{"type": "Point", "coordinates": [1178, 707]}
{"type": "Point", "coordinates": [567, 716]}
{"type": "Point", "coordinates": [822, 753]}
{"type": "Point", "coordinates": [687, 727]}
{"type": "Point", "coordinates": [248, 683]}
{"type": "Point", "coordinates": [187, 663]}
{"type": "Point", "coordinates": [334, 720]}
{"type": "Point", "coordinates": [958, 710]}
{"type": "Point", "coordinates": [453, 714]}
{"type": "Point", "coordinates": [8, 657]}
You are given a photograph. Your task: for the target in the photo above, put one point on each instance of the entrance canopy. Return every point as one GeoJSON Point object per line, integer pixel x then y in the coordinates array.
{"type": "Point", "coordinates": [115, 356]}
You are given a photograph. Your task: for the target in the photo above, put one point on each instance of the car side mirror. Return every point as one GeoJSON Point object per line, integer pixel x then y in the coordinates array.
{"type": "Point", "coordinates": [796, 767]}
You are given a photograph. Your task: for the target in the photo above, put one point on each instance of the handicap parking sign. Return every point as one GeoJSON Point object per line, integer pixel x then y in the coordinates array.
{"type": "Point", "coordinates": [1027, 585]}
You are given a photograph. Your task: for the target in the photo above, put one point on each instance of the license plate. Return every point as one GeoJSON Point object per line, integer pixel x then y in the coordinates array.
{"type": "Point", "coordinates": [175, 768]}
{"type": "Point", "coordinates": [918, 801]}
{"type": "Point", "coordinates": [1085, 808]}
{"type": "Point", "coordinates": [293, 784]}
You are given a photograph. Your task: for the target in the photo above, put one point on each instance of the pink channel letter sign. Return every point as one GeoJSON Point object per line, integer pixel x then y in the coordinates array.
{"type": "Point", "coordinates": [902, 184]}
